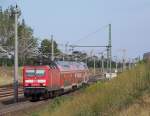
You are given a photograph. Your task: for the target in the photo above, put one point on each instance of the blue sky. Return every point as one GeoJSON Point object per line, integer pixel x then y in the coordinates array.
{"type": "Point", "coordinates": [70, 20]}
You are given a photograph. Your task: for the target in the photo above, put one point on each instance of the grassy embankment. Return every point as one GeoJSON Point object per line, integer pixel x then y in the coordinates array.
{"type": "Point", "coordinates": [7, 74]}
{"type": "Point", "coordinates": [140, 107]}
{"type": "Point", "coordinates": [104, 99]}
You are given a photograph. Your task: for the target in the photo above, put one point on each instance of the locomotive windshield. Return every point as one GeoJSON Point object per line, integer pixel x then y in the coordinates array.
{"type": "Point", "coordinates": [32, 72]}
{"type": "Point", "coordinates": [40, 72]}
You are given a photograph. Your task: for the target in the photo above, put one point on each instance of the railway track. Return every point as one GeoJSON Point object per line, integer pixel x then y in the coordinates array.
{"type": "Point", "coordinates": [6, 92]}
{"type": "Point", "coordinates": [12, 108]}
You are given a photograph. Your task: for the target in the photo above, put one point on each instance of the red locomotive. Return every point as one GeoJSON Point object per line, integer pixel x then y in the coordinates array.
{"type": "Point", "coordinates": [58, 77]}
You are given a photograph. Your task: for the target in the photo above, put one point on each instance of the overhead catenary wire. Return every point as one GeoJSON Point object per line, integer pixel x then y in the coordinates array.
{"type": "Point", "coordinates": [90, 34]}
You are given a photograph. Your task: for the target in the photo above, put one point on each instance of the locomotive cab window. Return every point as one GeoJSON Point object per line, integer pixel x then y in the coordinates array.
{"type": "Point", "coordinates": [30, 73]}
{"type": "Point", "coordinates": [40, 72]}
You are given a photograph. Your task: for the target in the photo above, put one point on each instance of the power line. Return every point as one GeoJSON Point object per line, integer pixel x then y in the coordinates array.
{"type": "Point", "coordinates": [90, 34]}
{"type": "Point", "coordinates": [86, 46]}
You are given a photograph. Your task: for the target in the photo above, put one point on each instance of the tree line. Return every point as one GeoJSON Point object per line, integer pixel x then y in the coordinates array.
{"type": "Point", "coordinates": [29, 47]}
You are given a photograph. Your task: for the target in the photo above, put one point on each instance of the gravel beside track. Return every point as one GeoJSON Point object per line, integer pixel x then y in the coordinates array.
{"type": "Point", "coordinates": [7, 110]}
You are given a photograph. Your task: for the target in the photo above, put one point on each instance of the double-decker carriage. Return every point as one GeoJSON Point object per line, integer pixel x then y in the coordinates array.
{"type": "Point", "coordinates": [49, 80]}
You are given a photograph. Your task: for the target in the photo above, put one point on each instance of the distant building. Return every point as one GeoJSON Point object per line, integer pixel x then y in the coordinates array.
{"type": "Point", "coordinates": [146, 56]}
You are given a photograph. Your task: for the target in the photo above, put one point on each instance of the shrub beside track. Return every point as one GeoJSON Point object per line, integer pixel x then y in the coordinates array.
{"type": "Point", "coordinates": [104, 98]}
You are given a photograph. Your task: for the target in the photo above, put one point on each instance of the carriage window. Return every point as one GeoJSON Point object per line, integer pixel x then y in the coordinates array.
{"type": "Point", "coordinates": [30, 73]}
{"type": "Point", "coordinates": [40, 72]}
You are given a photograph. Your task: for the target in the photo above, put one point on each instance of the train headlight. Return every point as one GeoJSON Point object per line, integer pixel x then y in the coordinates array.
{"type": "Point", "coordinates": [42, 84]}
{"type": "Point", "coordinates": [28, 81]}
{"type": "Point", "coordinates": [41, 81]}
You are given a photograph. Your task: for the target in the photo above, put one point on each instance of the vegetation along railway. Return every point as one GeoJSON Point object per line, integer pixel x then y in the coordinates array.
{"type": "Point", "coordinates": [7, 91]}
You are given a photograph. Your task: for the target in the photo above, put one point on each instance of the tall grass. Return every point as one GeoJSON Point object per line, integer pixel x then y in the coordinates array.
{"type": "Point", "coordinates": [105, 98]}
{"type": "Point", "coordinates": [7, 75]}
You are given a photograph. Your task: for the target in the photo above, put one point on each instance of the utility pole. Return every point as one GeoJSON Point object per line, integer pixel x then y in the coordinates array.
{"type": "Point", "coordinates": [124, 59]}
{"type": "Point", "coordinates": [16, 56]}
{"type": "Point", "coordinates": [66, 51]}
{"type": "Point", "coordinates": [102, 58]}
{"type": "Point", "coordinates": [102, 62]}
{"type": "Point", "coordinates": [110, 46]}
{"type": "Point", "coordinates": [107, 59]}
{"type": "Point", "coordinates": [116, 63]}
{"type": "Point", "coordinates": [129, 64]}
{"type": "Point", "coordinates": [94, 65]}
{"type": "Point", "coordinates": [52, 50]}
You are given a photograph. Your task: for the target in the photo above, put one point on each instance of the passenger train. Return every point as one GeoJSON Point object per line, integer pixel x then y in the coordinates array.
{"type": "Point", "coordinates": [53, 79]}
